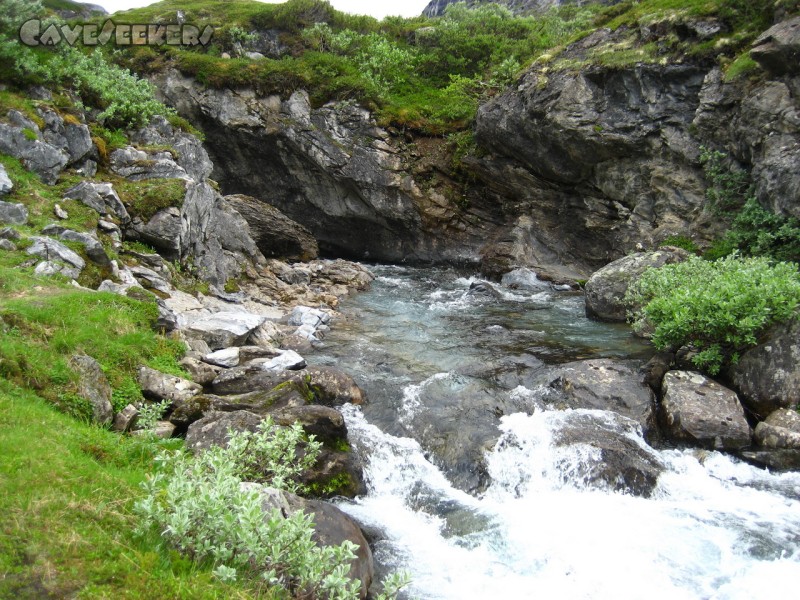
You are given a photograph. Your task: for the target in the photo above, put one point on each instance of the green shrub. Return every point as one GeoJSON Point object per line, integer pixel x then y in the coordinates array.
{"type": "Point", "coordinates": [719, 308]}
{"type": "Point", "coordinates": [125, 99]}
{"type": "Point", "coordinates": [756, 231]}
{"type": "Point", "coordinates": [201, 508]}
{"type": "Point", "coordinates": [728, 184]}
{"type": "Point", "coordinates": [681, 241]}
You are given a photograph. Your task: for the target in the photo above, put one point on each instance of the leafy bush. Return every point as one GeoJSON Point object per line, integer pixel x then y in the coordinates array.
{"type": "Point", "coordinates": [756, 231]}
{"type": "Point", "coordinates": [202, 509]}
{"type": "Point", "coordinates": [720, 308]}
{"type": "Point", "coordinates": [729, 184]}
{"type": "Point", "coordinates": [125, 99]}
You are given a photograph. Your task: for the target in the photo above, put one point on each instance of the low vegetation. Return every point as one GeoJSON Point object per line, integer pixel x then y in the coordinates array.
{"type": "Point", "coordinates": [718, 308]}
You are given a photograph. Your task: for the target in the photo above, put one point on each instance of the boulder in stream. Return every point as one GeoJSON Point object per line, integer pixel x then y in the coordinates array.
{"type": "Point", "coordinates": [700, 411]}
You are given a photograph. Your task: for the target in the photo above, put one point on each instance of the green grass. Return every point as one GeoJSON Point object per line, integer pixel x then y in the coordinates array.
{"type": "Point", "coordinates": [145, 198]}
{"type": "Point", "coordinates": [66, 494]}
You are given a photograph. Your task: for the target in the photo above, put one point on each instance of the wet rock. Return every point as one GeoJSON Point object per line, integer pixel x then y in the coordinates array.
{"type": "Point", "coordinates": [331, 528]}
{"type": "Point", "coordinates": [524, 279]}
{"type": "Point", "coordinates": [213, 429]}
{"type": "Point", "coordinates": [700, 411]}
{"type": "Point", "coordinates": [777, 460]}
{"type": "Point", "coordinates": [768, 376]}
{"type": "Point", "coordinates": [275, 234]}
{"type": "Point", "coordinates": [326, 424]}
{"type": "Point", "coordinates": [13, 213]}
{"type": "Point", "coordinates": [781, 430]}
{"type": "Point", "coordinates": [331, 387]}
{"type": "Point", "coordinates": [778, 48]}
{"type": "Point", "coordinates": [243, 380]}
{"type": "Point", "coordinates": [601, 384]}
{"type": "Point", "coordinates": [125, 420]}
{"type": "Point", "coordinates": [654, 370]}
{"type": "Point", "coordinates": [618, 460]}
{"type": "Point", "coordinates": [606, 288]}
{"type": "Point", "coordinates": [160, 386]}
{"type": "Point", "coordinates": [483, 289]}
{"type": "Point", "coordinates": [93, 386]}
{"type": "Point", "coordinates": [225, 329]}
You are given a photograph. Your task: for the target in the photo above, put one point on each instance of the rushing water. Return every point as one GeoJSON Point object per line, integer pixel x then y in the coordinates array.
{"type": "Point", "coordinates": [432, 358]}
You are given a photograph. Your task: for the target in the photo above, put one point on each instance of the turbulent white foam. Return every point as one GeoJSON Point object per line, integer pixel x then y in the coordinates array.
{"type": "Point", "coordinates": [394, 282]}
{"type": "Point", "coordinates": [715, 528]}
{"type": "Point", "coordinates": [410, 401]}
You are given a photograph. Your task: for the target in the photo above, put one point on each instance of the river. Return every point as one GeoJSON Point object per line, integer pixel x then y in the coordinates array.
{"type": "Point", "coordinates": [469, 493]}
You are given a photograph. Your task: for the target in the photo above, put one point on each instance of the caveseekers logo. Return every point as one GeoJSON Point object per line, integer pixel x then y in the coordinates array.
{"type": "Point", "coordinates": [37, 33]}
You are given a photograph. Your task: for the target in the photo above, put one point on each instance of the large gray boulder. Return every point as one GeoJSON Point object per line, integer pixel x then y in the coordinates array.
{"type": "Point", "coordinates": [606, 288]}
{"type": "Point", "coordinates": [161, 386]}
{"type": "Point", "coordinates": [331, 528]}
{"type": "Point", "coordinates": [225, 329]}
{"type": "Point", "coordinates": [768, 376]}
{"type": "Point", "coordinates": [780, 430]}
{"type": "Point", "coordinates": [100, 197]}
{"type": "Point", "coordinates": [92, 246]}
{"type": "Point", "coordinates": [189, 152]}
{"type": "Point", "coordinates": [21, 139]}
{"type": "Point", "coordinates": [93, 386]}
{"type": "Point", "coordinates": [53, 250]}
{"type": "Point", "coordinates": [275, 234]}
{"type": "Point", "coordinates": [13, 213]}
{"type": "Point", "coordinates": [618, 458]}
{"type": "Point", "coordinates": [330, 386]}
{"type": "Point", "coordinates": [138, 165]}
{"type": "Point", "coordinates": [778, 48]}
{"type": "Point", "coordinates": [214, 429]}
{"type": "Point", "coordinates": [69, 136]}
{"type": "Point", "coordinates": [601, 384]}
{"type": "Point", "coordinates": [700, 411]}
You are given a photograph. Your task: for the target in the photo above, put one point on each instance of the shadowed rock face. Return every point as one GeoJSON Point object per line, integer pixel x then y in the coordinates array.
{"type": "Point", "coordinates": [331, 169]}
{"type": "Point", "coordinates": [577, 168]}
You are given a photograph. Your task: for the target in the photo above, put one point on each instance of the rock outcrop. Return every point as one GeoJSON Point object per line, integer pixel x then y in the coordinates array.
{"type": "Point", "coordinates": [606, 288]}
{"type": "Point", "coordinates": [275, 234]}
{"type": "Point", "coordinates": [768, 376]}
{"type": "Point", "coordinates": [331, 169]}
{"type": "Point", "coordinates": [700, 411]}
{"type": "Point", "coordinates": [601, 384]}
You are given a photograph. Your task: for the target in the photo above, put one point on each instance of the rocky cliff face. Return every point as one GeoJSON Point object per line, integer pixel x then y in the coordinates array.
{"type": "Point", "coordinates": [602, 160]}
{"type": "Point", "coordinates": [332, 170]}
{"type": "Point", "coordinates": [577, 166]}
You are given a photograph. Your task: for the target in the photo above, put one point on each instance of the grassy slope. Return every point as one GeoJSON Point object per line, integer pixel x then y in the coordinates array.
{"type": "Point", "coordinates": [66, 492]}
{"type": "Point", "coordinates": [66, 487]}
{"type": "Point", "coordinates": [419, 93]}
